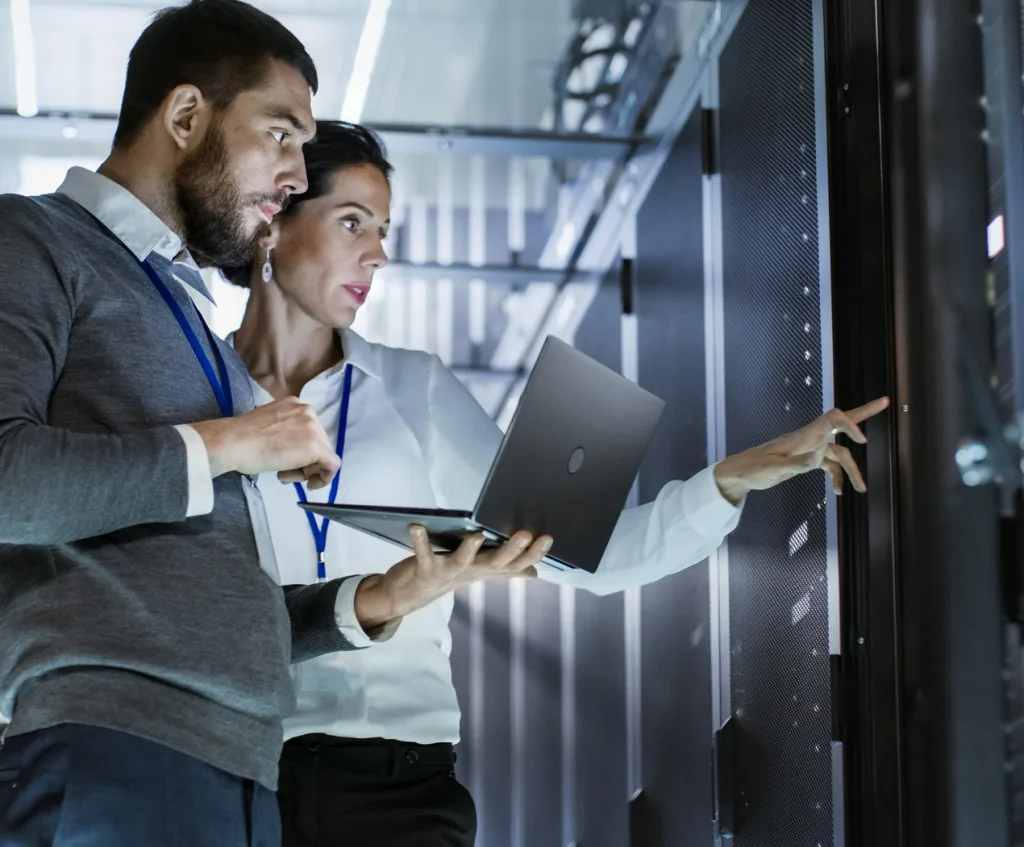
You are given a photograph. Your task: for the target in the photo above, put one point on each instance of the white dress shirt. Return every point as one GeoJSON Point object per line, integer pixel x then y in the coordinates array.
{"type": "Point", "coordinates": [417, 437]}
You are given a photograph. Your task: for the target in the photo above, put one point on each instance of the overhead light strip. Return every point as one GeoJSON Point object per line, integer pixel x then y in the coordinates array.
{"type": "Point", "coordinates": [366, 58]}
{"type": "Point", "coordinates": [24, 59]}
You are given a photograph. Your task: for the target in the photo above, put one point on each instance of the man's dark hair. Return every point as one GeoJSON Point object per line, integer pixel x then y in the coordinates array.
{"type": "Point", "coordinates": [223, 47]}
{"type": "Point", "coordinates": [338, 145]}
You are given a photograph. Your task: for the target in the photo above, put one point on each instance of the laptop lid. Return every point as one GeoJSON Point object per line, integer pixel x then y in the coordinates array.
{"type": "Point", "coordinates": [570, 456]}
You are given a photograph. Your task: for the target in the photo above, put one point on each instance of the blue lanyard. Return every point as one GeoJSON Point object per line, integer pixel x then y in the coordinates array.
{"type": "Point", "coordinates": [221, 387]}
{"type": "Point", "coordinates": [320, 530]}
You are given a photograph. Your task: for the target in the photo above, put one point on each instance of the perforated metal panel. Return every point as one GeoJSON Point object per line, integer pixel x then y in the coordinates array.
{"type": "Point", "coordinates": [461, 678]}
{"type": "Point", "coordinates": [675, 626]}
{"type": "Point", "coordinates": [493, 757]}
{"type": "Point", "coordinates": [541, 755]}
{"type": "Point", "coordinates": [779, 651]}
{"type": "Point", "coordinates": [601, 788]}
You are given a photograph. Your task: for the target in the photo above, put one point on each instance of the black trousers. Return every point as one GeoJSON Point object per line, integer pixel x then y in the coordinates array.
{"type": "Point", "coordinates": [81, 786]}
{"type": "Point", "coordinates": [337, 792]}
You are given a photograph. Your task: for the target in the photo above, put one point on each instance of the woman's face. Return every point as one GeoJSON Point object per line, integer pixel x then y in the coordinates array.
{"type": "Point", "coordinates": [325, 254]}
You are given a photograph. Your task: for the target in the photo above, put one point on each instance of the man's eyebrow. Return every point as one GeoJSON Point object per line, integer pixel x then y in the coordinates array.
{"type": "Point", "coordinates": [290, 117]}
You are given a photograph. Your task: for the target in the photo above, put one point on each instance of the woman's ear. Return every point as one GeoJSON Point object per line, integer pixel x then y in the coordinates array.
{"type": "Point", "coordinates": [269, 241]}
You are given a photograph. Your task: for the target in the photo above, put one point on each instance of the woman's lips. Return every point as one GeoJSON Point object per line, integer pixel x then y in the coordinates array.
{"type": "Point", "coordinates": [358, 291]}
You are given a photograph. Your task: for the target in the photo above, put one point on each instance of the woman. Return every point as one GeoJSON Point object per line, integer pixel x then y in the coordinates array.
{"type": "Point", "coordinates": [368, 757]}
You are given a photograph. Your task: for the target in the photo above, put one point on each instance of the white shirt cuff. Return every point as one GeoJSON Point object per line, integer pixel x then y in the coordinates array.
{"type": "Point", "coordinates": [706, 508]}
{"type": "Point", "coordinates": [348, 623]}
{"type": "Point", "coordinates": [200, 477]}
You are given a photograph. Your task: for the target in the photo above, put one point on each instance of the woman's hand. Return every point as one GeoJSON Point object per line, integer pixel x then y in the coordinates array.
{"type": "Point", "coordinates": [427, 576]}
{"type": "Point", "coordinates": [804, 450]}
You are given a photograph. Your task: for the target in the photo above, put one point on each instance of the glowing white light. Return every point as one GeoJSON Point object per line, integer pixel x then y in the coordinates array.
{"type": "Point", "coordinates": [996, 237]}
{"type": "Point", "coordinates": [565, 311]}
{"type": "Point", "coordinates": [477, 311]}
{"type": "Point", "coordinates": [566, 240]}
{"type": "Point", "coordinates": [24, 59]}
{"type": "Point", "coordinates": [366, 58]}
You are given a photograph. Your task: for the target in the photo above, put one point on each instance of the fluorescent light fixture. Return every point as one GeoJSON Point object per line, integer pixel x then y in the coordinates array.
{"type": "Point", "coordinates": [477, 311]}
{"type": "Point", "coordinates": [617, 67]}
{"type": "Point", "coordinates": [366, 58]}
{"type": "Point", "coordinates": [445, 310]}
{"type": "Point", "coordinates": [445, 210]}
{"type": "Point", "coordinates": [996, 237]}
{"type": "Point", "coordinates": [24, 59]}
{"type": "Point", "coordinates": [477, 212]}
{"type": "Point", "coordinates": [565, 311]}
{"type": "Point", "coordinates": [566, 240]}
{"type": "Point", "coordinates": [632, 34]}
{"type": "Point", "coordinates": [419, 311]}
{"type": "Point", "coordinates": [418, 229]}
{"type": "Point", "coordinates": [516, 205]}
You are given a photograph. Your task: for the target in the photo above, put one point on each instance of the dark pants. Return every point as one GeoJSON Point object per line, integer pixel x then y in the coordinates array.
{"type": "Point", "coordinates": [79, 786]}
{"type": "Point", "coordinates": [338, 792]}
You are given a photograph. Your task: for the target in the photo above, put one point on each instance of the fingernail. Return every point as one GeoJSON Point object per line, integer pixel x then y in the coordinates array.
{"type": "Point", "coordinates": [523, 542]}
{"type": "Point", "coordinates": [546, 545]}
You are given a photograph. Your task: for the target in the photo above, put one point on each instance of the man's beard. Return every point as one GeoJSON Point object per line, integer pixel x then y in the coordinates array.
{"type": "Point", "coordinates": [213, 208]}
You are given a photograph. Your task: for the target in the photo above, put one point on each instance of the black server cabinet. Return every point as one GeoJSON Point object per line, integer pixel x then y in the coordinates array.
{"type": "Point", "coordinates": [775, 347]}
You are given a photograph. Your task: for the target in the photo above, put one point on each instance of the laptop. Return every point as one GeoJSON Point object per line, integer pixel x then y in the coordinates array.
{"type": "Point", "coordinates": [565, 467]}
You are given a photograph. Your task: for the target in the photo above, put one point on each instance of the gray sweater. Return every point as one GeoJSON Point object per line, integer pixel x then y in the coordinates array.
{"type": "Point", "coordinates": [115, 611]}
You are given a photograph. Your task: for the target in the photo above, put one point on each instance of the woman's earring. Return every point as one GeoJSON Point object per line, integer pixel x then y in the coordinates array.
{"type": "Point", "coordinates": [268, 269]}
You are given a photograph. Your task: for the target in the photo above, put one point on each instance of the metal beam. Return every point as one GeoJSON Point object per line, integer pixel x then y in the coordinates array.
{"type": "Point", "coordinates": [498, 274]}
{"type": "Point", "coordinates": [484, 141]}
{"type": "Point", "coordinates": [399, 138]}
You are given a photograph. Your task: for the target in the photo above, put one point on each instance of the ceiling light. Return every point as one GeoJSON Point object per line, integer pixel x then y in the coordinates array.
{"type": "Point", "coordinates": [566, 240]}
{"type": "Point", "coordinates": [366, 58]}
{"type": "Point", "coordinates": [24, 59]}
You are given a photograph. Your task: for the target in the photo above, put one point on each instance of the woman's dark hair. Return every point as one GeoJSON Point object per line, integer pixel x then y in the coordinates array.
{"type": "Point", "coordinates": [223, 47]}
{"type": "Point", "coordinates": [338, 145]}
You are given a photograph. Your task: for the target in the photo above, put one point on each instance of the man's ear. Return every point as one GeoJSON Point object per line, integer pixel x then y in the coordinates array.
{"type": "Point", "coordinates": [186, 116]}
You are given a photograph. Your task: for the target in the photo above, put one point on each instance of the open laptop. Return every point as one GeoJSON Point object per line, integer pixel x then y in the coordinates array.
{"type": "Point", "coordinates": [565, 466]}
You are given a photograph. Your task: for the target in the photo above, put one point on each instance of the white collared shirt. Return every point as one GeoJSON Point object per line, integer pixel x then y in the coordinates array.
{"type": "Point", "coordinates": [417, 437]}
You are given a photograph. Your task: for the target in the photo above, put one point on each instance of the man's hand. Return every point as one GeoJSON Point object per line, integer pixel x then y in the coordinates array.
{"type": "Point", "coordinates": [283, 436]}
{"type": "Point", "coordinates": [799, 452]}
{"type": "Point", "coordinates": [426, 576]}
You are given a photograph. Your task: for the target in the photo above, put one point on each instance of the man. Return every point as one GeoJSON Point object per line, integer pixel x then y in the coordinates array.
{"type": "Point", "coordinates": [143, 652]}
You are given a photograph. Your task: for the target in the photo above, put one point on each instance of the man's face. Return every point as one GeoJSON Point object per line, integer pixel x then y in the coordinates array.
{"type": "Point", "coordinates": [246, 166]}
